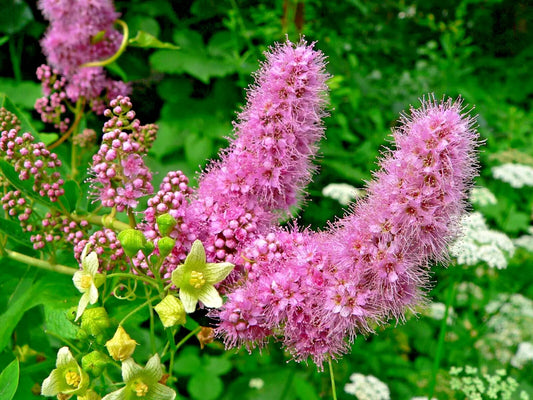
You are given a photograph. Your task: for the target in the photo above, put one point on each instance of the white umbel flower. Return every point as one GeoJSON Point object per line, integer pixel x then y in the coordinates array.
{"type": "Point", "coordinates": [342, 192]}
{"type": "Point", "coordinates": [367, 387]}
{"type": "Point", "coordinates": [482, 197]}
{"type": "Point", "coordinates": [523, 355]}
{"type": "Point", "coordinates": [481, 244]}
{"type": "Point", "coordinates": [516, 175]}
{"type": "Point", "coordinates": [525, 241]}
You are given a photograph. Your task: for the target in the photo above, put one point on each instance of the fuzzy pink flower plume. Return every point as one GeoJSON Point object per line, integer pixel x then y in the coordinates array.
{"type": "Point", "coordinates": [316, 291]}
{"type": "Point", "coordinates": [263, 172]}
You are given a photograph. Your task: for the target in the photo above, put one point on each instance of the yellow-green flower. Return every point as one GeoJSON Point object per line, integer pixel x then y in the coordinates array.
{"type": "Point", "coordinates": [121, 346]}
{"type": "Point", "coordinates": [142, 383]}
{"type": "Point", "coordinates": [87, 280]}
{"type": "Point", "coordinates": [67, 379]}
{"type": "Point", "coordinates": [195, 279]}
{"type": "Point", "coordinates": [171, 311]}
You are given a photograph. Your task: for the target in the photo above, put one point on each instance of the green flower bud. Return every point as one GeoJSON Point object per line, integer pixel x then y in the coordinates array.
{"type": "Point", "coordinates": [165, 246]}
{"type": "Point", "coordinates": [148, 248]}
{"type": "Point", "coordinates": [95, 321]}
{"type": "Point", "coordinates": [166, 223]}
{"type": "Point", "coordinates": [94, 363]}
{"type": "Point", "coordinates": [132, 241]}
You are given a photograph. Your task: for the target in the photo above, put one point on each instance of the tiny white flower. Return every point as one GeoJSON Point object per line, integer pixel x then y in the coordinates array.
{"type": "Point", "coordinates": [87, 280]}
{"type": "Point", "coordinates": [342, 192]}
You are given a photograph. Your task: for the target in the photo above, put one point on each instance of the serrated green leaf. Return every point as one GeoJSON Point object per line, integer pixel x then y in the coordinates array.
{"type": "Point", "coordinates": [9, 380]}
{"type": "Point", "coordinates": [15, 232]}
{"type": "Point", "coordinates": [26, 187]}
{"type": "Point", "coordinates": [205, 387]}
{"type": "Point", "coordinates": [25, 123]}
{"type": "Point", "coordinates": [56, 321]}
{"type": "Point", "coordinates": [146, 40]}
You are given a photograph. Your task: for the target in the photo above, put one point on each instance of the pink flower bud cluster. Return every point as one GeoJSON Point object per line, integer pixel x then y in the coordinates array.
{"type": "Point", "coordinates": [52, 106]}
{"type": "Point", "coordinates": [121, 116]}
{"type": "Point", "coordinates": [106, 244]}
{"type": "Point", "coordinates": [8, 120]}
{"type": "Point", "coordinates": [57, 229]}
{"type": "Point", "coordinates": [33, 160]}
{"type": "Point", "coordinates": [85, 139]}
{"type": "Point", "coordinates": [120, 176]}
{"type": "Point", "coordinates": [318, 290]}
{"type": "Point", "coordinates": [172, 198]}
{"type": "Point", "coordinates": [17, 206]}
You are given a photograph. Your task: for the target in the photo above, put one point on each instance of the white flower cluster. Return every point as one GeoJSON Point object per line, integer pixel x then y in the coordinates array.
{"type": "Point", "coordinates": [476, 386]}
{"type": "Point", "coordinates": [523, 355]}
{"type": "Point", "coordinates": [525, 241]}
{"type": "Point", "coordinates": [467, 292]}
{"type": "Point", "coordinates": [367, 387]}
{"type": "Point", "coordinates": [342, 192]}
{"type": "Point", "coordinates": [516, 175]}
{"type": "Point", "coordinates": [508, 327]}
{"type": "Point", "coordinates": [482, 197]}
{"type": "Point", "coordinates": [478, 243]}
{"type": "Point", "coordinates": [437, 310]}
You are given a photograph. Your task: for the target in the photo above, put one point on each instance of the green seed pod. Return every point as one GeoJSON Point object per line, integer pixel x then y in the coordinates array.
{"type": "Point", "coordinates": [148, 248]}
{"type": "Point", "coordinates": [166, 223]}
{"type": "Point", "coordinates": [132, 241]}
{"type": "Point", "coordinates": [95, 321]}
{"type": "Point", "coordinates": [94, 363]}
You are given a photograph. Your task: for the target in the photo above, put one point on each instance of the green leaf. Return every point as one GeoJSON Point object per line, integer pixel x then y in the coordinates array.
{"type": "Point", "coordinates": [71, 196]}
{"type": "Point", "coordinates": [3, 39]}
{"type": "Point", "coordinates": [22, 93]}
{"type": "Point", "coordinates": [15, 232]}
{"type": "Point", "coordinates": [48, 138]}
{"type": "Point", "coordinates": [26, 187]}
{"type": "Point", "coordinates": [216, 366]}
{"type": "Point", "coordinates": [15, 15]}
{"type": "Point", "coordinates": [25, 123]}
{"type": "Point", "coordinates": [188, 362]}
{"type": "Point", "coordinates": [304, 390]}
{"type": "Point", "coordinates": [198, 150]}
{"type": "Point", "coordinates": [146, 40]}
{"type": "Point", "coordinates": [56, 322]}
{"type": "Point", "coordinates": [9, 380]}
{"type": "Point", "coordinates": [205, 387]}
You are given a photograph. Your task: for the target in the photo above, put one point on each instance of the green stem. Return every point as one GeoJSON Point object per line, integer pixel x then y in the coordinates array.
{"type": "Point", "coordinates": [332, 378]}
{"type": "Point", "coordinates": [189, 335]}
{"type": "Point", "coordinates": [15, 54]}
{"type": "Point", "coordinates": [62, 339]}
{"type": "Point", "coordinates": [152, 321]}
{"type": "Point", "coordinates": [35, 262]}
{"type": "Point", "coordinates": [114, 57]}
{"type": "Point", "coordinates": [442, 335]}
{"type": "Point", "coordinates": [145, 279]}
{"type": "Point", "coordinates": [147, 302]}
{"type": "Point", "coordinates": [102, 220]}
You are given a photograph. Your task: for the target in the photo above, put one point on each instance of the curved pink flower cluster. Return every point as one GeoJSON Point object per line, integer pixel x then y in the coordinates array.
{"type": "Point", "coordinates": [57, 228]}
{"type": "Point", "coordinates": [316, 291]}
{"type": "Point", "coordinates": [106, 244]}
